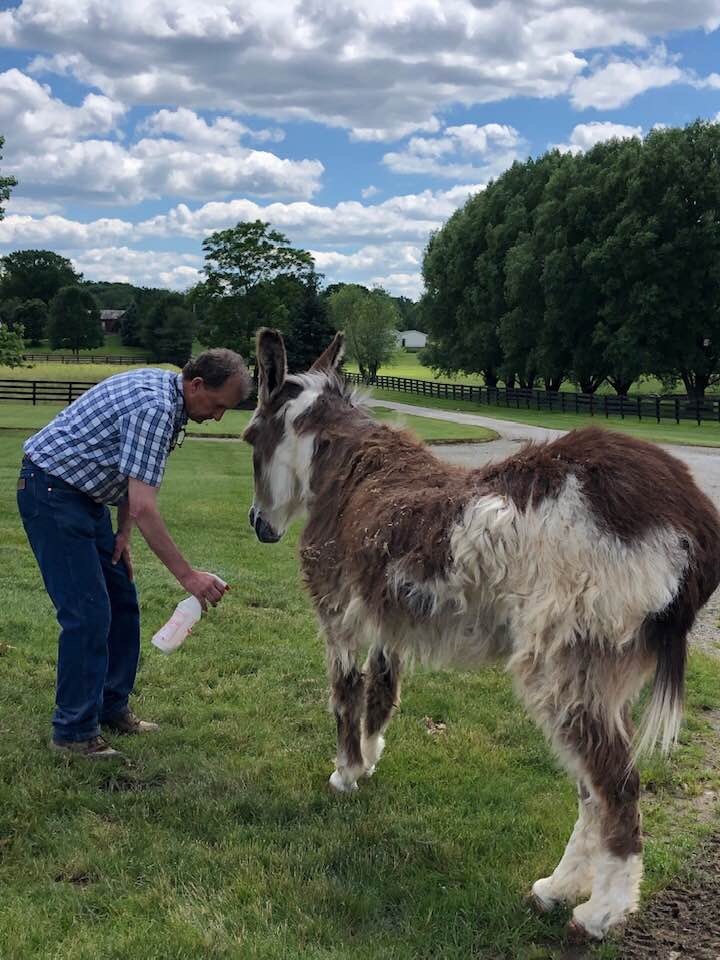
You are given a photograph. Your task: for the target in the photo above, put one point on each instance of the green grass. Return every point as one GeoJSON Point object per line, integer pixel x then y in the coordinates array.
{"type": "Point", "coordinates": [83, 372]}
{"type": "Point", "coordinates": [221, 839]}
{"type": "Point", "coordinates": [113, 347]}
{"type": "Point", "coordinates": [29, 417]}
{"type": "Point", "coordinates": [667, 431]}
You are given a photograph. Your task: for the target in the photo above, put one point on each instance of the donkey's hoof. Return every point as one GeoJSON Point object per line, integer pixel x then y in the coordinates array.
{"type": "Point", "coordinates": [576, 933]}
{"type": "Point", "coordinates": [540, 899]}
{"type": "Point", "coordinates": [340, 785]}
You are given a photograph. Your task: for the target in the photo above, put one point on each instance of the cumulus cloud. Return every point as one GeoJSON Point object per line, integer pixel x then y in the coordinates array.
{"type": "Point", "coordinates": [54, 150]}
{"type": "Point", "coordinates": [174, 271]}
{"type": "Point", "coordinates": [586, 135]}
{"type": "Point", "coordinates": [335, 63]}
{"type": "Point", "coordinates": [460, 153]}
{"type": "Point", "coordinates": [620, 81]}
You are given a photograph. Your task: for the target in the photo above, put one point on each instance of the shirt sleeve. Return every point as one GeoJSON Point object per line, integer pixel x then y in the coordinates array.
{"type": "Point", "coordinates": [145, 438]}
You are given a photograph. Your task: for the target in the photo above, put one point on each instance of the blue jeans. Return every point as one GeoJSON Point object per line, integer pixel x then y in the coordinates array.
{"type": "Point", "coordinates": [96, 603]}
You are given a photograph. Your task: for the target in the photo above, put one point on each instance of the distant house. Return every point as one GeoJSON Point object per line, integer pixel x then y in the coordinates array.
{"type": "Point", "coordinates": [110, 320]}
{"type": "Point", "coordinates": [411, 339]}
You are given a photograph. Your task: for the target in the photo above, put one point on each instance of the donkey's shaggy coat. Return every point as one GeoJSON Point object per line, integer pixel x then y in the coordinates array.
{"type": "Point", "coordinates": [581, 563]}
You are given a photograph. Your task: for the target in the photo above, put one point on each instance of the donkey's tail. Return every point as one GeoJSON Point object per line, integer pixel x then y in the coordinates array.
{"type": "Point", "coordinates": [665, 635]}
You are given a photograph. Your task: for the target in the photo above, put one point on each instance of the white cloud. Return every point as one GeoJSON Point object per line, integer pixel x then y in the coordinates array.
{"type": "Point", "coordinates": [30, 114]}
{"type": "Point", "coordinates": [19, 230]}
{"type": "Point", "coordinates": [335, 63]}
{"type": "Point", "coordinates": [586, 135]}
{"type": "Point", "coordinates": [460, 153]}
{"type": "Point", "coordinates": [54, 151]}
{"type": "Point", "coordinates": [175, 271]}
{"type": "Point", "coordinates": [620, 81]}
{"type": "Point", "coordinates": [369, 191]}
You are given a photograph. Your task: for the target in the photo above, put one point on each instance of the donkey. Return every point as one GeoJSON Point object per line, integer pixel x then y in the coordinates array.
{"type": "Point", "coordinates": [580, 563]}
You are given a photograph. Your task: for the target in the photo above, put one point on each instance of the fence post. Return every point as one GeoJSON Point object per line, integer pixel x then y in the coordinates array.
{"type": "Point", "coordinates": [697, 410]}
{"type": "Point", "coordinates": [69, 392]}
{"type": "Point", "coordinates": [34, 393]}
{"type": "Point", "coordinates": [677, 410]}
{"type": "Point", "coordinates": [657, 408]}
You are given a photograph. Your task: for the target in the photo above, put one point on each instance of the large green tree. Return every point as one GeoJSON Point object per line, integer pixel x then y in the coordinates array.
{"type": "Point", "coordinates": [130, 326]}
{"type": "Point", "coordinates": [6, 184]}
{"type": "Point", "coordinates": [170, 330]}
{"type": "Point", "coordinates": [11, 347]}
{"type": "Point", "coordinates": [74, 322]}
{"type": "Point", "coordinates": [369, 319]}
{"type": "Point", "coordinates": [33, 316]}
{"type": "Point", "coordinates": [253, 277]}
{"type": "Point", "coordinates": [35, 274]}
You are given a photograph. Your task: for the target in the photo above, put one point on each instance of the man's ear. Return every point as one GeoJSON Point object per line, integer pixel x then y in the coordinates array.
{"type": "Point", "coordinates": [332, 356]}
{"type": "Point", "coordinates": [271, 362]}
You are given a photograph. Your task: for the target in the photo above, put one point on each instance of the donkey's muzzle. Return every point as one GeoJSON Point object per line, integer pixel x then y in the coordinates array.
{"type": "Point", "coordinates": [263, 531]}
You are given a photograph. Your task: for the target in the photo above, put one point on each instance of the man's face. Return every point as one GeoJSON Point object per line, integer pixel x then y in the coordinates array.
{"type": "Point", "coordinates": [210, 403]}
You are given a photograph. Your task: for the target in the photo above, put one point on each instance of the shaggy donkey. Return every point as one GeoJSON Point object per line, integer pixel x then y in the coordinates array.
{"type": "Point", "coordinates": [581, 563]}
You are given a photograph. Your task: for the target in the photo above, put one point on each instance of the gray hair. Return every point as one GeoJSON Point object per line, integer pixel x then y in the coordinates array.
{"type": "Point", "coordinates": [216, 366]}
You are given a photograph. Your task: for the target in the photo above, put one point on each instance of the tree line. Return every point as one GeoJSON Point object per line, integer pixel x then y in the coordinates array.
{"type": "Point", "coordinates": [593, 267]}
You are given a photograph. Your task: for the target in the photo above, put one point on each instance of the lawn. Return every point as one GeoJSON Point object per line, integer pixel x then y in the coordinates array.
{"type": "Point", "coordinates": [221, 839]}
{"type": "Point", "coordinates": [112, 347]}
{"type": "Point", "coordinates": [27, 416]}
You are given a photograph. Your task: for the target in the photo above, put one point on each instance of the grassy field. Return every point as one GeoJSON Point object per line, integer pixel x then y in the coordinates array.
{"type": "Point", "coordinates": [29, 417]}
{"type": "Point", "coordinates": [221, 840]}
{"type": "Point", "coordinates": [112, 347]}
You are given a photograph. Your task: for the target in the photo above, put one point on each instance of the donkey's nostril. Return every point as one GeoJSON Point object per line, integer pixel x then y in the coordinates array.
{"type": "Point", "coordinates": [251, 516]}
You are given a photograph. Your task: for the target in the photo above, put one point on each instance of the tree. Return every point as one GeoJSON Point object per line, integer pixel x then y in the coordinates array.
{"type": "Point", "coordinates": [33, 316]}
{"type": "Point", "coordinates": [130, 329]}
{"type": "Point", "coordinates": [74, 322]}
{"type": "Point", "coordinates": [11, 347]}
{"type": "Point", "coordinates": [6, 184]}
{"type": "Point", "coordinates": [369, 319]}
{"type": "Point", "coordinates": [253, 276]}
{"type": "Point", "coordinates": [8, 309]}
{"type": "Point", "coordinates": [170, 330]}
{"type": "Point", "coordinates": [35, 274]}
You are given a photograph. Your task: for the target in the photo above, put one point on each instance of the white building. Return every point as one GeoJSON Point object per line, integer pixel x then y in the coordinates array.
{"type": "Point", "coordinates": [411, 339]}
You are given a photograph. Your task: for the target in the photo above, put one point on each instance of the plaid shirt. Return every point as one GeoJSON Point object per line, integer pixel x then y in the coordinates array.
{"type": "Point", "coordinates": [123, 427]}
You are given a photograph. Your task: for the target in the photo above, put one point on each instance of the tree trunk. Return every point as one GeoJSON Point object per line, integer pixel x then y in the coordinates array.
{"type": "Point", "coordinates": [590, 384]}
{"type": "Point", "coordinates": [620, 385]}
{"type": "Point", "coordinates": [553, 384]}
{"type": "Point", "coordinates": [490, 377]}
{"type": "Point", "coordinates": [509, 382]}
{"type": "Point", "coordinates": [695, 383]}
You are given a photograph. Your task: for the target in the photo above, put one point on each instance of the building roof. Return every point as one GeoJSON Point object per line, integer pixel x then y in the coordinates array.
{"type": "Point", "coordinates": [112, 314]}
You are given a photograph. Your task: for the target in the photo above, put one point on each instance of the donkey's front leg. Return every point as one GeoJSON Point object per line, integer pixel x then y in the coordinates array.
{"type": "Point", "coordinates": [346, 701]}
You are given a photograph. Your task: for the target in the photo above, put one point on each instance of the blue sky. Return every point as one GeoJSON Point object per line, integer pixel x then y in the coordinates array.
{"type": "Point", "coordinates": [135, 129]}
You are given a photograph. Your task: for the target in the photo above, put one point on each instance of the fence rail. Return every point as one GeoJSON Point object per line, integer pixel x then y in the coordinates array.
{"type": "Point", "coordinates": [675, 407]}
{"type": "Point", "coordinates": [657, 408]}
{"type": "Point", "coordinates": [39, 391]}
{"type": "Point", "coordinates": [71, 358]}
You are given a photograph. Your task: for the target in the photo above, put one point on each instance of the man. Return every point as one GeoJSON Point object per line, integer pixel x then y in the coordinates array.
{"type": "Point", "coordinates": [110, 447]}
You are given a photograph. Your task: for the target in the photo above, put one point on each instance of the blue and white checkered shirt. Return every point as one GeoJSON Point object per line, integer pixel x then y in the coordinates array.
{"type": "Point", "coordinates": [122, 427]}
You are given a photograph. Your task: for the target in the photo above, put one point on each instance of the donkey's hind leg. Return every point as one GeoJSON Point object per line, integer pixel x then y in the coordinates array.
{"type": "Point", "coordinates": [617, 861]}
{"type": "Point", "coordinates": [571, 880]}
{"type": "Point", "coordinates": [346, 702]}
{"type": "Point", "coordinates": [382, 695]}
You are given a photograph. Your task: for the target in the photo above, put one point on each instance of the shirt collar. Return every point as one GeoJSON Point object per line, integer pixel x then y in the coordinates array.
{"type": "Point", "coordinates": [181, 416]}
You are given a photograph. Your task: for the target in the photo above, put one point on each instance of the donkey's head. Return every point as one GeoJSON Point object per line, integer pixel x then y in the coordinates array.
{"type": "Point", "coordinates": [282, 454]}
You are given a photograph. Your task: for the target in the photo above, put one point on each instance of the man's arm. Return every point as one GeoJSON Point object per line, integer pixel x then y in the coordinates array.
{"type": "Point", "coordinates": [143, 512]}
{"type": "Point", "coordinates": [122, 538]}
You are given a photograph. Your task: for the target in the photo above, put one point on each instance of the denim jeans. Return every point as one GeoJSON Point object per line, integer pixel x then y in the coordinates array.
{"type": "Point", "coordinates": [96, 603]}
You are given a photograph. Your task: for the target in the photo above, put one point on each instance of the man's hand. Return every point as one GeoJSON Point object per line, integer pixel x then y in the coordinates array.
{"type": "Point", "coordinates": [205, 586]}
{"type": "Point", "coordinates": [122, 549]}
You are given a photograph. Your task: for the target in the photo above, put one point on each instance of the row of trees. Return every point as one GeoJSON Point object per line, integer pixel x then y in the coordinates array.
{"type": "Point", "coordinates": [591, 267]}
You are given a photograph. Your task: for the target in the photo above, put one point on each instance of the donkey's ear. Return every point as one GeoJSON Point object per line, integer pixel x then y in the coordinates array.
{"type": "Point", "coordinates": [271, 362]}
{"type": "Point", "coordinates": [331, 358]}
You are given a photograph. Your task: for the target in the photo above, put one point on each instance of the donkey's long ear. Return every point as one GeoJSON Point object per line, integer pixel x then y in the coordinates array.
{"type": "Point", "coordinates": [331, 358]}
{"type": "Point", "coordinates": [271, 362]}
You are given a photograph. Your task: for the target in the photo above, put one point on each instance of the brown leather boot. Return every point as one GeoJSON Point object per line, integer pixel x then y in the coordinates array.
{"type": "Point", "coordinates": [128, 723]}
{"type": "Point", "coordinates": [96, 748]}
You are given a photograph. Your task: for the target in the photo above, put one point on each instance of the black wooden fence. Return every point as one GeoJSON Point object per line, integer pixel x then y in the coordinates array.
{"type": "Point", "coordinates": [37, 391]}
{"type": "Point", "coordinates": [71, 358]}
{"type": "Point", "coordinates": [638, 407]}
{"type": "Point", "coordinates": [657, 408]}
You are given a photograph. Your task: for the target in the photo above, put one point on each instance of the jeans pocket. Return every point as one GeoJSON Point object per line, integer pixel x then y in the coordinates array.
{"type": "Point", "coordinates": [27, 500]}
